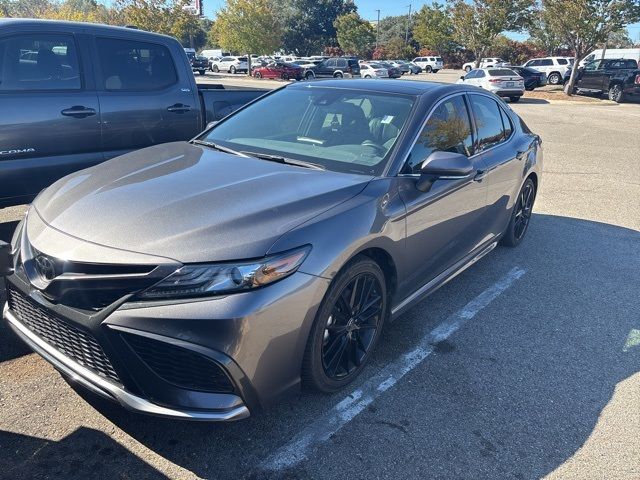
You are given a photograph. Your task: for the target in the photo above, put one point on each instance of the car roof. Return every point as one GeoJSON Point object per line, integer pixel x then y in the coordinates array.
{"type": "Point", "coordinates": [407, 87]}
{"type": "Point", "coordinates": [94, 27]}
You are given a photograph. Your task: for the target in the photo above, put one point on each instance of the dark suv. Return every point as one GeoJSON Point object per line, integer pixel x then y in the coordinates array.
{"type": "Point", "coordinates": [335, 67]}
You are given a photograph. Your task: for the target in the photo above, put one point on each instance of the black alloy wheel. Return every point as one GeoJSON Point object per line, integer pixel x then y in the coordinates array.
{"type": "Point", "coordinates": [521, 215]}
{"type": "Point", "coordinates": [615, 93]}
{"type": "Point", "coordinates": [347, 326]}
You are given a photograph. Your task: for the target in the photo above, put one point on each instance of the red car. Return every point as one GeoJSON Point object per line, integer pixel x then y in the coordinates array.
{"type": "Point", "coordinates": [286, 71]}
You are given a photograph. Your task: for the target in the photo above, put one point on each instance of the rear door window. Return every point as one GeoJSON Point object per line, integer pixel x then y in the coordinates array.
{"type": "Point", "coordinates": [546, 62]}
{"type": "Point", "coordinates": [562, 61]}
{"type": "Point", "coordinates": [39, 62]}
{"type": "Point", "coordinates": [488, 120]}
{"type": "Point", "coordinates": [133, 65]}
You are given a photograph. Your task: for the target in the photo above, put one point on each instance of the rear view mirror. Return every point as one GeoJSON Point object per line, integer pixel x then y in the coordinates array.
{"type": "Point", "coordinates": [443, 165]}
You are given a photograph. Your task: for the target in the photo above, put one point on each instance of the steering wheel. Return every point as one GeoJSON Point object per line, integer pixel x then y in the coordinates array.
{"type": "Point", "coordinates": [376, 146]}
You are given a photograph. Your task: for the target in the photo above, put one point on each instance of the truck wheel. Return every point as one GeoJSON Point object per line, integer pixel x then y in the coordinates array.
{"type": "Point", "coordinates": [428, 69]}
{"type": "Point", "coordinates": [554, 78]}
{"type": "Point", "coordinates": [232, 70]}
{"type": "Point", "coordinates": [615, 93]}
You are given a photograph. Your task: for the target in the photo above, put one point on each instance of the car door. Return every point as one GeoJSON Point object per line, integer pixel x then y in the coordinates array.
{"type": "Point", "coordinates": [145, 97]}
{"type": "Point", "coordinates": [591, 76]}
{"type": "Point", "coordinates": [504, 160]}
{"type": "Point", "coordinates": [49, 111]}
{"type": "Point", "coordinates": [327, 68]}
{"type": "Point", "coordinates": [444, 224]}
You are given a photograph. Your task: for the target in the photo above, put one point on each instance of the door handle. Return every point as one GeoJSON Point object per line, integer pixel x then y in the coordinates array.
{"type": "Point", "coordinates": [78, 111]}
{"type": "Point", "coordinates": [178, 108]}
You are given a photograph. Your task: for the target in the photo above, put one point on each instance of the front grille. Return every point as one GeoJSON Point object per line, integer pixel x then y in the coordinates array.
{"type": "Point", "coordinates": [179, 366]}
{"type": "Point", "coordinates": [69, 340]}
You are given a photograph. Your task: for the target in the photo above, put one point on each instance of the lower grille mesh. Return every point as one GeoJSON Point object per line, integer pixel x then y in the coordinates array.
{"type": "Point", "coordinates": [67, 339]}
{"type": "Point", "coordinates": [179, 366]}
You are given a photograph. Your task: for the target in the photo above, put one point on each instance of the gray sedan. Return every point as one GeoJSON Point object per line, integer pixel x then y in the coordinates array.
{"type": "Point", "coordinates": [203, 280]}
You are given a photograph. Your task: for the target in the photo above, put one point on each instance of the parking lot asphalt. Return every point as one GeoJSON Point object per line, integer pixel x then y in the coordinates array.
{"type": "Point", "coordinates": [524, 366]}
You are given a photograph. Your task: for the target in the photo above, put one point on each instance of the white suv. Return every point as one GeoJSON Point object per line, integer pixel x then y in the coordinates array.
{"type": "Point", "coordinates": [429, 64]}
{"type": "Point", "coordinates": [554, 67]}
{"type": "Point", "coordinates": [488, 62]}
{"type": "Point", "coordinates": [230, 64]}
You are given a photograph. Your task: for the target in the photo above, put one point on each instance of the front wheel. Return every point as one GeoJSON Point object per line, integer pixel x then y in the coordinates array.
{"type": "Point", "coordinates": [309, 75]}
{"type": "Point", "coordinates": [554, 79]}
{"type": "Point", "coordinates": [232, 70]}
{"type": "Point", "coordinates": [428, 69]}
{"type": "Point", "coordinates": [616, 94]}
{"type": "Point", "coordinates": [215, 69]}
{"type": "Point", "coordinates": [520, 215]}
{"type": "Point", "coordinates": [467, 69]}
{"type": "Point", "coordinates": [338, 75]}
{"type": "Point", "coordinates": [367, 76]}
{"type": "Point", "coordinates": [514, 99]}
{"type": "Point", "coordinates": [347, 326]}
{"type": "Point", "coordinates": [257, 75]}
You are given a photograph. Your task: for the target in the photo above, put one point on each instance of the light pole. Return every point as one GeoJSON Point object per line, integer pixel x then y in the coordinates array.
{"type": "Point", "coordinates": [377, 28]}
{"type": "Point", "coordinates": [406, 35]}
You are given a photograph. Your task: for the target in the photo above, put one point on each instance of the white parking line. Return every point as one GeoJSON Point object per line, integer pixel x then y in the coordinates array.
{"type": "Point", "coordinates": [344, 411]}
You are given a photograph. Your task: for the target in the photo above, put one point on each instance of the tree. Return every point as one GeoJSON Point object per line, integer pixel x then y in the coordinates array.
{"type": "Point", "coordinates": [544, 37]}
{"type": "Point", "coordinates": [396, 48]}
{"type": "Point", "coordinates": [433, 29]}
{"type": "Point", "coordinates": [583, 24]}
{"type": "Point", "coordinates": [477, 24]}
{"type": "Point", "coordinates": [394, 27]}
{"type": "Point", "coordinates": [248, 26]}
{"type": "Point", "coordinates": [309, 24]}
{"type": "Point", "coordinates": [355, 35]}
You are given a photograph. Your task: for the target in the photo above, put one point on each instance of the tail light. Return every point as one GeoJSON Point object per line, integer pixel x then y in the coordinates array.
{"type": "Point", "coordinates": [637, 81]}
{"type": "Point", "coordinates": [495, 80]}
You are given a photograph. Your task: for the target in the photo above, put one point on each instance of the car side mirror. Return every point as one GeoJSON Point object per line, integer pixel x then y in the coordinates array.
{"type": "Point", "coordinates": [461, 77]}
{"type": "Point", "coordinates": [445, 166]}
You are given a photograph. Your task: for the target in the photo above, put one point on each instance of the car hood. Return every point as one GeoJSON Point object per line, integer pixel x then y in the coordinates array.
{"type": "Point", "coordinates": [190, 203]}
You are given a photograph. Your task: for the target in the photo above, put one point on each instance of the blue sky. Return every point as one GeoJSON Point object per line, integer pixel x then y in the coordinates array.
{"type": "Point", "coordinates": [367, 9]}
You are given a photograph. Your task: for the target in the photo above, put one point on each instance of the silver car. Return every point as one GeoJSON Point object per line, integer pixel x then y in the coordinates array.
{"type": "Point", "coordinates": [205, 279]}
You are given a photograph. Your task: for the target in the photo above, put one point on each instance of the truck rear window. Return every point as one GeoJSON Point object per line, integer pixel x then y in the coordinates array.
{"type": "Point", "coordinates": [133, 65]}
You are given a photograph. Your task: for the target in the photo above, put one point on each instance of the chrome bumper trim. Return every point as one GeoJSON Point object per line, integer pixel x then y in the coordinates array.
{"type": "Point", "coordinates": [104, 388]}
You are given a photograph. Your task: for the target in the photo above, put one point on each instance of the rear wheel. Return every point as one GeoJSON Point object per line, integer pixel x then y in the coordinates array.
{"type": "Point", "coordinates": [215, 69]}
{"type": "Point", "coordinates": [615, 93]}
{"type": "Point", "coordinates": [338, 75]}
{"type": "Point", "coordinates": [428, 69]}
{"type": "Point", "coordinates": [554, 78]}
{"type": "Point", "coordinates": [514, 99]}
{"type": "Point", "coordinates": [232, 70]}
{"type": "Point", "coordinates": [284, 76]}
{"type": "Point", "coordinates": [257, 75]}
{"type": "Point", "coordinates": [467, 69]}
{"type": "Point", "coordinates": [309, 75]}
{"type": "Point", "coordinates": [367, 76]}
{"type": "Point", "coordinates": [520, 215]}
{"type": "Point", "coordinates": [347, 326]}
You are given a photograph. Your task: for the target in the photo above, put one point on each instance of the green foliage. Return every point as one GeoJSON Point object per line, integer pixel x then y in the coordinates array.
{"type": "Point", "coordinates": [309, 24]}
{"type": "Point", "coordinates": [477, 24]}
{"type": "Point", "coordinates": [397, 49]}
{"type": "Point", "coordinates": [355, 35]}
{"type": "Point", "coordinates": [248, 26]}
{"type": "Point", "coordinates": [433, 29]}
{"type": "Point", "coordinates": [394, 27]}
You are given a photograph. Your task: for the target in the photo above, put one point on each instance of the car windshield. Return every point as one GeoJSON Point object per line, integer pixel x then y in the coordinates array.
{"type": "Point", "coordinates": [341, 129]}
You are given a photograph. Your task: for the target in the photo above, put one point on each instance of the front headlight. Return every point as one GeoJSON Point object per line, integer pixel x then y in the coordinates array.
{"type": "Point", "coordinates": [222, 278]}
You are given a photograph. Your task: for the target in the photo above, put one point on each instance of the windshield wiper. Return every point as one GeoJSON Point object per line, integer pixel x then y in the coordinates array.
{"type": "Point", "coordinates": [216, 146]}
{"type": "Point", "coordinates": [285, 160]}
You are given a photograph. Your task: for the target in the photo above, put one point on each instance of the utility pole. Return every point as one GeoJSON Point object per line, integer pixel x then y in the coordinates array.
{"type": "Point", "coordinates": [406, 35]}
{"type": "Point", "coordinates": [377, 28]}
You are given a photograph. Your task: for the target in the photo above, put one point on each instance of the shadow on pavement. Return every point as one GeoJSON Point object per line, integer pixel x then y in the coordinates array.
{"type": "Point", "coordinates": [532, 101]}
{"type": "Point", "coordinates": [514, 395]}
{"type": "Point", "coordinates": [86, 453]}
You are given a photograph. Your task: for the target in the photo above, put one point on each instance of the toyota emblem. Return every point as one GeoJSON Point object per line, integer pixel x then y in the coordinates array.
{"type": "Point", "coordinates": [45, 267]}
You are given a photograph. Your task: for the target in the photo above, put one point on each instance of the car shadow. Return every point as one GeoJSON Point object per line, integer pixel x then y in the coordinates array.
{"type": "Point", "coordinates": [516, 394]}
{"type": "Point", "coordinates": [533, 101]}
{"type": "Point", "coordinates": [85, 453]}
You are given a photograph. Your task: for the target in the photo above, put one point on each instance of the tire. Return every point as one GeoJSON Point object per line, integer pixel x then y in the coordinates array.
{"type": "Point", "coordinates": [257, 75]}
{"type": "Point", "coordinates": [284, 76]}
{"type": "Point", "coordinates": [215, 69]}
{"type": "Point", "coordinates": [332, 335]}
{"type": "Point", "coordinates": [309, 76]}
{"type": "Point", "coordinates": [428, 69]}
{"type": "Point", "coordinates": [338, 75]}
{"type": "Point", "coordinates": [467, 69]}
{"type": "Point", "coordinates": [514, 99]}
{"type": "Point", "coordinates": [554, 78]}
{"type": "Point", "coordinates": [367, 76]}
{"type": "Point", "coordinates": [516, 231]}
{"type": "Point", "coordinates": [616, 94]}
{"type": "Point", "coordinates": [232, 70]}
{"type": "Point", "coordinates": [201, 72]}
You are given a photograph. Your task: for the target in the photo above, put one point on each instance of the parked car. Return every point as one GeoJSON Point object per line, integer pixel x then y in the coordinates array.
{"type": "Point", "coordinates": [619, 78]}
{"type": "Point", "coordinates": [393, 71]}
{"type": "Point", "coordinates": [553, 67]}
{"type": "Point", "coordinates": [532, 78]}
{"type": "Point", "coordinates": [613, 54]}
{"type": "Point", "coordinates": [501, 81]}
{"type": "Point", "coordinates": [279, 69]}
{"type": "Point", "coordinates": [488, 62]}
{"type": "Point", "coordinates": [198, 62]}
{"type": "Point", "coordinates": [429, 64]}
{"type": "Point", "coordinates": [373, 70]}
{"type": "Point", "coordinates": [414, 69]}
{"type": "Point", "coordinates": [203, 280]}
{"type": "Point", "coordinates": [401, 65]}
{"type": "Point", "coordinates": [230, 65]}
{"type": "Point", "coordinates": [125, 89]}
{"type": "Point", "coordinates": [336, 67]}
